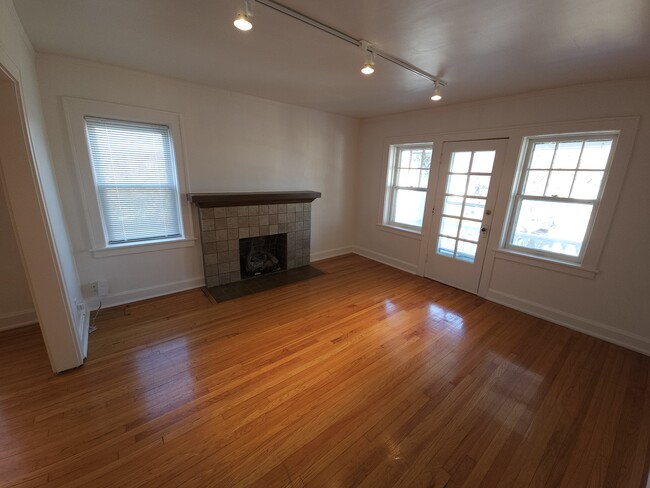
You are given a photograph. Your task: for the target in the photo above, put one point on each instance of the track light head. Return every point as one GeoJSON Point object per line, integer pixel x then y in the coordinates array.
{"type": "Point", "coordinates": [369, 65]}
{"type": "Point", "coordinates": [436, 93]}
{"type": "Point", "coordinates": [368, 68]}
{"type": "Point", "coordinates": [243, 20]}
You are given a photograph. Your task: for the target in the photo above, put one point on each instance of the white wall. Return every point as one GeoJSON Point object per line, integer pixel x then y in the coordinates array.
{"type": "Point", "coordinates": [34, 201]}
{"type": "Point", "coordinates": [615, 304]}
{"type": "Point", "coordinates": [16, 306]}
{"type": "Point", "coordinates": [232, 142]}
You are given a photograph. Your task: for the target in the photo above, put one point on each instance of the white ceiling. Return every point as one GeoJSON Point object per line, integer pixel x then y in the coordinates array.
{"type": "Point", "coordinates": [482, 48]}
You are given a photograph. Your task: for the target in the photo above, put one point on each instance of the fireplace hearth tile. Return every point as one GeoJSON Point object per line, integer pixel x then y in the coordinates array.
{"type": "Point", "coordinates": [238, 289]}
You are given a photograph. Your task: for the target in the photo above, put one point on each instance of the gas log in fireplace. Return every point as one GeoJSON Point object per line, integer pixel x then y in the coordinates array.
{"type": "Point", "coordinates": [244, 235]}
{"type": "Point", "coordinates": [262, 255]}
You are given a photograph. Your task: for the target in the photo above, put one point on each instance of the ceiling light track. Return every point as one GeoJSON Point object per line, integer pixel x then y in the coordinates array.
{"type": "Point", "coordinates": [410, 67]}
{"type": "Point", "coordinates": [278, 7]}
{"type": "Point", "coordinates": [309, 21]}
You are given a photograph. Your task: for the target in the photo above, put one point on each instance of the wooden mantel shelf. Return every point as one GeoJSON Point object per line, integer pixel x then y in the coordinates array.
{"type": "Point", "coordinates": [208, 200]}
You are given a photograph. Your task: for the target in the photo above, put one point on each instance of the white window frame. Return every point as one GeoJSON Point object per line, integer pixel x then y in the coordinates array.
{"type": "Point", "coordinates": [518, 196]}
{"type": "Point", "coordinates": [625, 128]}
{"type": "Point", "coordinates": [391, 187]}
{"type": "Point", "coordinates": [75, 111]}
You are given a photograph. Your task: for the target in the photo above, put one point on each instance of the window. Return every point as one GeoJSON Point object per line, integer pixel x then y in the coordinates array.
{"type": "Point", "coordinates": [465, 200]}
{"type": "Point", "coordinates": [558, 194]}
{"type": "Point", "coordinates": [129, 161]}
{"type": "Point", "coordinates": [406, 189]}
{"type": "Point", "coordinates": [135, 177]}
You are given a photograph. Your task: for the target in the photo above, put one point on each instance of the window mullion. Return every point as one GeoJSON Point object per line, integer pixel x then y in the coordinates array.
{"type": "Point", "coordinates": [575, 174]}
{"type": "Point", "coordinates": [413, 188]}
{"type": "Point", "coordinates": [548, 178]}
{"type": "Point", "coordinates": [558, 199]}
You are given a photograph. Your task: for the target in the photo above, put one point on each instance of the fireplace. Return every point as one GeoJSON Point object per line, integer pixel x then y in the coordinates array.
{"type": "Point", "coordinates": [262, 255]}
{"type": "Point", "coordinates": [230, 221]}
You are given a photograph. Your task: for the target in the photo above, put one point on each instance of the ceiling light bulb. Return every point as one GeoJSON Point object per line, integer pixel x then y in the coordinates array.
{"type": "Point", "coordinates": [242, 22]}
{"type": "Point", "coordinates": [436, 94]}
{"type": "Point", "coordinates": [367, 69]}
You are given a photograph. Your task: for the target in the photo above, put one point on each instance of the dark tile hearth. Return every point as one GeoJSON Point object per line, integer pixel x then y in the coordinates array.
{"type": "Point", "coordinates": [262, 283]}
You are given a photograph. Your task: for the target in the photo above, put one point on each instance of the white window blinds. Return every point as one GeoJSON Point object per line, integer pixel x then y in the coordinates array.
{"type": "Point", "coordinates": [135, 176]}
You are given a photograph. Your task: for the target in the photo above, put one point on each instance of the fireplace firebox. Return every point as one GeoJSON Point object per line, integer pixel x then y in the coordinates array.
{"type": "Point", "coordinates": [263, 254]}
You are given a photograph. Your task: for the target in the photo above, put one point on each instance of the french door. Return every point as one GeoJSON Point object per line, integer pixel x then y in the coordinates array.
{"type": "Point", "coordinates": [464, 202]}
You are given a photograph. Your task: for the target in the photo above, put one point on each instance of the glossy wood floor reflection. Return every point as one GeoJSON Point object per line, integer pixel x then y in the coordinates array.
{"type": "Point", "coordinates": [365, 376]}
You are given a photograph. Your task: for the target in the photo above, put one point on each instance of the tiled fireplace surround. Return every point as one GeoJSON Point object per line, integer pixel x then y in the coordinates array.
{"type": "Point", "coordinates": [222, 227]}
{"type": "Point", "coordinates": [228, 217]}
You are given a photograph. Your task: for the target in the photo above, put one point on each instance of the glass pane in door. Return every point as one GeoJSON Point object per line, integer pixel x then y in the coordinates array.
{"type": "Point", "coordinates": [466, 192]}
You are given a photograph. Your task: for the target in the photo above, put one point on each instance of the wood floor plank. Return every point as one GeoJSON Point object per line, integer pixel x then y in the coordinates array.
{"type": "Point", "coordinates": [364, 376]}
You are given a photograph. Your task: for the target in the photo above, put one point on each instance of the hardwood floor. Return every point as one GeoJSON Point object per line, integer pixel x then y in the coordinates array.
{"type": "Point", "coordinates": [365, 376]}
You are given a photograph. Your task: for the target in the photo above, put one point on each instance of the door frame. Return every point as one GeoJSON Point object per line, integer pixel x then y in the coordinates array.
{"type": "Point", "coordinates": [32, 227]}
{"type": "Point", "coordinates": [507, 174]}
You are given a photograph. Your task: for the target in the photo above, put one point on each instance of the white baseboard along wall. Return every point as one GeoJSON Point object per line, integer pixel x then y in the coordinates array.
{"type": "Point", "coordinates": [20, 318]}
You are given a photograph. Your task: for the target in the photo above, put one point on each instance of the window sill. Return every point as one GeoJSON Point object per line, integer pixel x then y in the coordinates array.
{"type": "Point", "coordinates": [400, 231]}
{"type": "Point", "coordinates": [545, 263]}
{"type": "Point", "coordinates": [142, 247]}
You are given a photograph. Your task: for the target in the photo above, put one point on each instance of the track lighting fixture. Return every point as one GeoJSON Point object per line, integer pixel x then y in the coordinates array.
{"type": "Point", "coordinates": [436, 92]}
{"type": "Point", "coordinates": [244, 16]}
{"type": "Point", "coordinates": [369, 65]}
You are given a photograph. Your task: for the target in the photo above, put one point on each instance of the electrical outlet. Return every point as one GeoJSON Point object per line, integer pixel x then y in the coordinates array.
{"type": "Point", "coordinates": [102, 288]}
{"type": "Point", "coordinates": [99, 288]}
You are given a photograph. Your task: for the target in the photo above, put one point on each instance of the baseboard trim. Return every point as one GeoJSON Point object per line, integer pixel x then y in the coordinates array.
{"type": "Point", "coordinates": [339, 251]}
{"type": "Point", "coordinates": [145, 293]}
{"type": "Point", "coordinates": [599, 330]}
{"type": "Point", "coordinates": [20, 318]}
{"type": "Point", "coordinates": [382, 258]}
